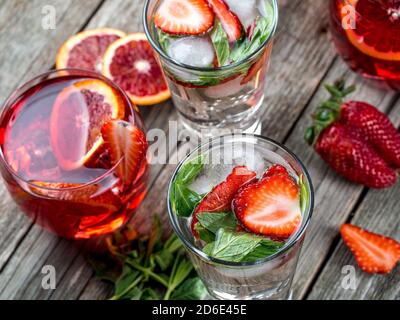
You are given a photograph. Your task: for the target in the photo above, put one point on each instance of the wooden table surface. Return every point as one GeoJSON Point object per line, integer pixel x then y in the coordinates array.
{"type": "Point", "coordinates": [303, 60]}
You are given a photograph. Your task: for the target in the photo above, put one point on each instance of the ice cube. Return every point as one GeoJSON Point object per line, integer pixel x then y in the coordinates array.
{"type": "Point", "coordinates": [193, 51]}
{"type": "Point", "coordinates": [246, 10]}
{"type": "Point", "coordinates": [201, 185]}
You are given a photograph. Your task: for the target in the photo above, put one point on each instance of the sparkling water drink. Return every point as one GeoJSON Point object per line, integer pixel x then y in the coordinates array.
{"type": "Point", "coordinates": [215, 55]}
{"type": "Point", "coordinates": [247, 204]}
{"type": "Point", "coordinates": [73, 153]}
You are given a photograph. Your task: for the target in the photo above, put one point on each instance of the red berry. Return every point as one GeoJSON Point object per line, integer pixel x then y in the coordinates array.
{"type": "Point", "coordinates": [375, 127]}
{"type": "Point", "coordinates": [374, 253]}
{"type": "Point", "coordinates": [127, 142]}
{"type": "Point", "coordinates": [350, 155]}
{"type": "Point", "coordinates": [274, 170]}
{"type": "Point", "coordinates": [270, 207]}
{"type": "Point", "coordinates": [219, 199]}
{"type": "Point", "coordinates": [230, 22]}
{"type": "Point", "coordinates": [184, 17]}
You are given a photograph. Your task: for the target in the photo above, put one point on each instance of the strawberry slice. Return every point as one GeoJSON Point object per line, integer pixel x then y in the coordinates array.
{"type": "Point", "coordinates": [270, 207]}
{"type": "Point", "coordinates": [220, 197]}
{"type": "Point", "coordinates": [374, 253]}
{"type": "Point", "coordinates": [274, 170]}
{"type": "Point", "coordinates": [230, 21]}
{"type": "Point", "coordinates": [184, 17]}
{"type": "Point", "coordinates": [127, 145]}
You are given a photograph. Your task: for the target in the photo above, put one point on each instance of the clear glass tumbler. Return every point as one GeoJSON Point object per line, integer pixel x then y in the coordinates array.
{"type": "Point", "coordinates": [216, 101]}
{"type": "Point", "coordinates": [269, 278]}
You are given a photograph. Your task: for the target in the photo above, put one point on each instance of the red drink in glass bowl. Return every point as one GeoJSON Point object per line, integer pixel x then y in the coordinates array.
{"type": "Point", "coordinates": [73, 153]}
{"type": "Point", "coordinates": [367, 36]}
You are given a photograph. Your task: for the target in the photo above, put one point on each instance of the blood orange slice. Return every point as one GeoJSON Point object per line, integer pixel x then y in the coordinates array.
{"type": "Point", "coordinates": [131, 63]}
{"type": "Point", "coordinates": [85, 50]}
{"type": "Point", "coordinates": [78, 115]}
{"type": "Point", "coordinates": [80, 198]}
{"type": "Point", "coordinates": [377, 28]}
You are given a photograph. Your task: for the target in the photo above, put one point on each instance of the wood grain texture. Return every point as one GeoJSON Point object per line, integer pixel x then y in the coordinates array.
{"type": "Point", "coordinates": [334, 196]}
{"type": "Point", "coordinates": [303, 59]}
{"type": "Point", "coordinates": [379, 213]}
{"type": "Point", "coordinates": [26, 50]}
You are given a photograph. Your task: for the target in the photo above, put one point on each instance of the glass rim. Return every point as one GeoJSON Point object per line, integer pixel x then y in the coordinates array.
{"type": "Point", "coordinates": [288, 245]}
{"type": "Point", "coordinates": [155, 45]}
{"type": "Point", "coordinates": [16, 93]}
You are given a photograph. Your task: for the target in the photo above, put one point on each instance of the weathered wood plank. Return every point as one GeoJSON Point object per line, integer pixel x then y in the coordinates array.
{"type": "Point", "coordinates": [334, 197]}
{"type": "Point", "coordinates": [302, 46]}
{"type": "Point", "coordinates": [78, 273]}
{"type": "Point", "coordinates": [26, 49]}
{"type": "Point", "coordinates": [379, 212]}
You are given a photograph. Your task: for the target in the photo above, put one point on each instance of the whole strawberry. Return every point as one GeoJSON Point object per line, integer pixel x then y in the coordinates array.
{"type": "Point", "coordinates": [358, 141]}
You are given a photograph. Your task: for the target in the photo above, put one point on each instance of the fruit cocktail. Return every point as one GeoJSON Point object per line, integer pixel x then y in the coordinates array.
{"type": "Point", "coordinates": [73, 153]}
{"type": "Point", "coordinates": [215, 54]}
{"type": "Point", "coordinates": [241, 205]}
{"type": "Point", "coordinates": [367, 35]}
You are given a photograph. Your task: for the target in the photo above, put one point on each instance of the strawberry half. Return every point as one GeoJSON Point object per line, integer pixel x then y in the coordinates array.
{"type": "Point", "coordinates": [127, 145]}
{"type": "Point", "coordinates": [230, 21]}
{"type": "Point", "coordinates": [184, 17]}
{"type": "Point", "coordinates": [219, 199]}
{"type": "Point", "coordinates": [374, 253]}
{"type": "Point", "coordinates": [270, 207]}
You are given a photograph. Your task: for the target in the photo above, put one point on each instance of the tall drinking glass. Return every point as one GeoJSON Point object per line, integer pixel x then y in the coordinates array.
{"type": "Point", "coordinates": [267, 278]}
{"type": "Point", "coordinates": [216, 100]}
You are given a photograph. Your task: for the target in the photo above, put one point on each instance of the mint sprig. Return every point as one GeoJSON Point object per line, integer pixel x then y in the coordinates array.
{"type": "Point", "coordinates": [183, 199]}
{"type": "Point", "coordinates": [220, 41]}
{"type": "Point", "coordinates": [148, 268]}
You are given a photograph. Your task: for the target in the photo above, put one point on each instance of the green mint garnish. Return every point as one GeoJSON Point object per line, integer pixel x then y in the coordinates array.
{"type": "Point", "coordinates": [183, 199]}
{"type": "Point", "coordinates": [220, 41]}
{"type": "Point", "coordinates": [262, 31]}
{"type": "Point", "coordinates": [217, 220]}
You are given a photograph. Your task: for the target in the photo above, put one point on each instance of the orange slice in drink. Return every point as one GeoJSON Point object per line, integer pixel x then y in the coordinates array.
{"type": "Point", "coordinates": [78, 115]}
{"type": "Point", "coordinates": [377, 27]}
{"type": "Point", "coordinates": [81, 199]}
{"type": "Point", "coordinates": [85, 50]}
{"type": "Point", "coordinates": [131, 63]}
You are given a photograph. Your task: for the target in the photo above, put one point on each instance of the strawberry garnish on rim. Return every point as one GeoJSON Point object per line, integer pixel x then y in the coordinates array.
{"type": "Point", "coordinates": [184, 17]}
{"type": "Point", "coordinates": [374, 253]}
{"type": "Point", "coordinates": [230, 21]}
{"type": "Point", "coordinates": [127, 145]}
{"type": "Point", "coordinates": [270, 207]}
{"type": "Point", "coordinates": [219, 199]}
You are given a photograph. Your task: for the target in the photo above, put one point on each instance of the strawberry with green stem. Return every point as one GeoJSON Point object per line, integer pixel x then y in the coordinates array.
{"type": "Point", "coordinates": [357, 140]}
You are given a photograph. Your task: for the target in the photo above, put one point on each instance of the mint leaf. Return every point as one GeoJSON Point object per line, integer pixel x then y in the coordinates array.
{"type": "Point", "coordinates": [231, 246]}
{"type": "Point", "coordinates": [126, 283]}
{"type": "Point", "coordinates": [217, 220]}
{"type": "Point", "coordinates": [163, 259]}
{"type": "Point", "coordinates": [191, 289]}
{"type": "Point", "coordinates": [184, 200]}
{"type": "Point", "coordinates": [190, 171]}
{"type": "Point", "coordinates": [262, 31]}
{"type": "Point", "coordinates": [303, 194]}
{"type": "Point", "coordinates": [265, 249]}
{"type": "Point", "coordinates": [163, 40]}
{"type": "Point", "coordinates": [204, 234]}
{"type": "Point", "coordinates": [180, 271]}
{"type": "Point", "coordinates": [220, 41]}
